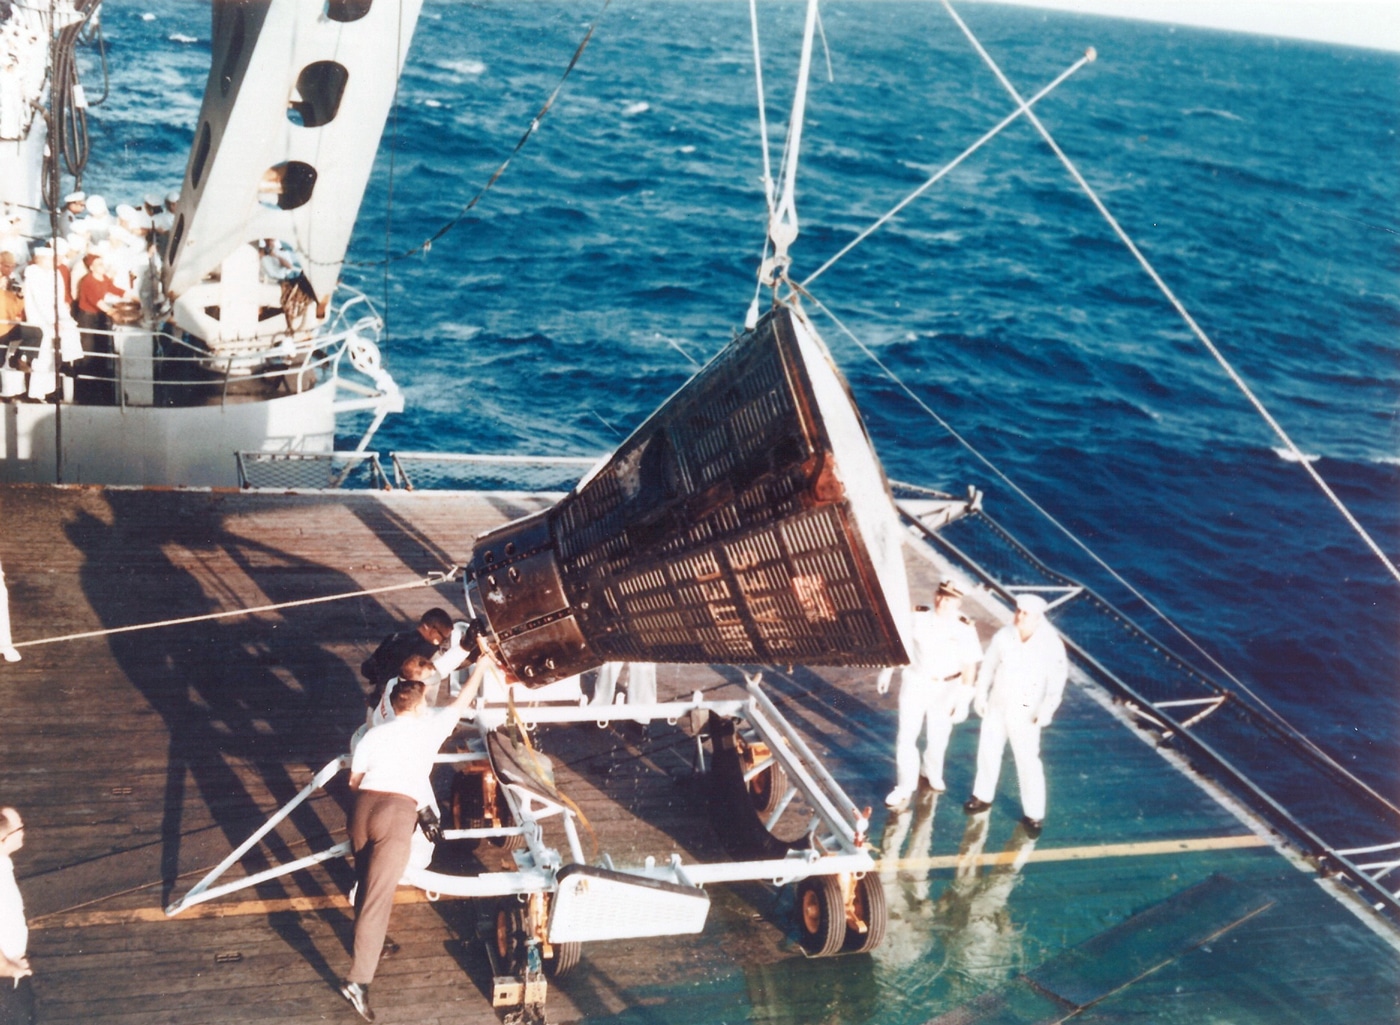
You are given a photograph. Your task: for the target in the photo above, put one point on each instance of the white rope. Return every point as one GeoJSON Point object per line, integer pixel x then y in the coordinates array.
{"type": "Point", "coordinates": [782, 226]}
{"type": "Point", "coordinates": [762, 109]}
{"type": "Point", "coordinates": [826, 49]}
{"type": "Point", "coordinates": [1074, 539]}
{"type": "Point", "coordinates": [1196, 329]}
{"type": "Point", "coordinates": [751, 319]}
{"type": "Point", "coordinates": [431, 580]}
{"type": "Point", "coordinates": [1023, 108]}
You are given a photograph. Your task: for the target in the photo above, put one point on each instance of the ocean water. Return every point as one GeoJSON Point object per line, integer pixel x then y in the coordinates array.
{"type": "Point", "coordinates": [1261, 177]}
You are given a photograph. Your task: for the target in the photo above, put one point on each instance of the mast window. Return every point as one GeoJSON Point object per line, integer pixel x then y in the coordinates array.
{"type": "Point", "coordinates": [319, 90]}
{"type": "Point", "coordinates": [201, 156]}
{"type": "Point", "coordinates": [233, 53]}
{"type": "Point", "coordinates": [347, 10]}
{"type": "Point", "coordinates": [287, 186]}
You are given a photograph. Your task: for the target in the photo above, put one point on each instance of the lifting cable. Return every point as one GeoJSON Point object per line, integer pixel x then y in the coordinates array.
{"type": "Point", "coordinates": [1074, 539]}
{"type": "Point", "coordinates": [461, 214]}
{"type": "Point", "coordinates": [434, 579]}
{"type": "Point", "coordinates": [1089, 57]}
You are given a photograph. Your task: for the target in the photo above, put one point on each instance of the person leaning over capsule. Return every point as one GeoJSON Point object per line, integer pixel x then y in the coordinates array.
{"type": "Point", "coordinates": [389, 775]}
{"type": "Point", "coordinates": [1018, 690]}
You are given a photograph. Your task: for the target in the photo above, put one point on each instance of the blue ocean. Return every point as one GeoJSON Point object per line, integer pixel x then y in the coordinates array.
{"type": "Point", "coordinates": [619, 251]}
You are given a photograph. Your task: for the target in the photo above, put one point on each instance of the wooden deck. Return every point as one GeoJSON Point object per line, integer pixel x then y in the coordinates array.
{"type": "Point", "coordinates": [140, 759]}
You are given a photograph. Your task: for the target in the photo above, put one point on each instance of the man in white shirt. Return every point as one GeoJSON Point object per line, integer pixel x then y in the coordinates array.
{"type": "Point", "coordinates": [1018, 690]}
{"type": "Point", "coordinates": [389, 776]}
{"type": "Point", "coordinates": [16, 996]}
{"type": "Point", "coordinates": [935, 689]}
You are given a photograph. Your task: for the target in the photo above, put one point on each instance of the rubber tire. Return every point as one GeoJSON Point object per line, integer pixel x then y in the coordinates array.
{"type": "Point", "coordinates": [870, 906]}
{"type": "Point", "coordinates": [510, 937]}
{"type": "Point", "coordinates": [767, 789]}
{"type": "Point", "coordinates": [821, 916]}
{"type": "Point", "coordinates": [514, 842]}
{"type": "Point", "coordinates": [565, 960]}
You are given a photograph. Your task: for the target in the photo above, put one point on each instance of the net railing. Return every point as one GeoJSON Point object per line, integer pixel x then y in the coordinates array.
{"type": "Point", "coordinates": [438, 471]}
{"type": "Point", "coordinates": [310, 471]}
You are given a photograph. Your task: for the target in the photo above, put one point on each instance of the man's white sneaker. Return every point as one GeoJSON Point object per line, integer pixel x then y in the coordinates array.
{"type": "Point", "coordinates": [10, 655]}
{"type": "Point", "coordinates": [897, 799]}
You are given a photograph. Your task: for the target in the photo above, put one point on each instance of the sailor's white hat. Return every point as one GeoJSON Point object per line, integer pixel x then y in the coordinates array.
{"type": "Point", "coordinates": [75, 197]}
{"type": "Point", "coordinates": [1031, 604]}
{"type": "Point", "coordinates": [153, 199]}
{"type": "Point", "coordinates": [97, 206]}
{"type": "Point", "coordinates": [125, 212]}
{"type": "Point", "coordinates": [171, 198]}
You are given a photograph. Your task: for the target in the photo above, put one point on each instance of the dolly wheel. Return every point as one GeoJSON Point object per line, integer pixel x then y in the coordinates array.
{"type": "Point", "coordinates": [565, 960]}
{"type": "Point", "coordinates": [513, 842]}
{"type": "Point", "coordinates": [510, 937]}
{"type": "Point", "coordinates": [868, 906]}
{"type": "Point", "coordinates": [767, 789]}
{"type": "Point", "coordinates": [821, 915]}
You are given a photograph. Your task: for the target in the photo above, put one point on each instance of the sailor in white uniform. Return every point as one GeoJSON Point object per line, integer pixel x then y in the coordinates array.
{"type": "Point", "coordinates": [1018, 690]}
{"type": "Point", "coordinates": [935, 690]}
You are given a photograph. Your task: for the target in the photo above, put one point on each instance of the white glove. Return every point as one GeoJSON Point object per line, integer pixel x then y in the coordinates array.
{"type": "Point", "coordinates": [882, 682]}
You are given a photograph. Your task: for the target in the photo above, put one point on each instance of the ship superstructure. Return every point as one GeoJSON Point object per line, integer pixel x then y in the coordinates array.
{"type": "Point", "coordinates": [225, 333]}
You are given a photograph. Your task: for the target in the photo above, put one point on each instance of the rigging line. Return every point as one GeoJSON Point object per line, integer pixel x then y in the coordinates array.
{"type": "Point", "coordinates": [826, 49]}
{"type": "Point", "coordinates": [764, 145]}
{"type": "Point", "coordinates": [1176, 303]}
{"type": "Point", "coordinates": [1162, 615]}
{"type": "Point", "coordinates": [461, 214]}
{"type": "Point", "coordinates": [762, 110]}
{"type": "Point", "coordinates": [787, 202]}
{"type": "Point", "coordinates": [1089, 56]}
{"type": "Point", "coordinates": [393, 152]}
{"type": "Point", "coordinates": [435, 579]}
{"type": "Point", "coordinates": [675, 345]}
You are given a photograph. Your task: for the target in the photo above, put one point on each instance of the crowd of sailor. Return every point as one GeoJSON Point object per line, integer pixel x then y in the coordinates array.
{"type": "Point", "coordinates": [101, 268]}
{"type": "Point", "coordinates": [24, 44]}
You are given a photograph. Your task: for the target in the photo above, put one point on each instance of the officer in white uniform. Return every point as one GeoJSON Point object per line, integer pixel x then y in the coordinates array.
{"type": "Point", "coordinates": [1018, 690]}
{"type": "Point", "coordinates": [934, 690]}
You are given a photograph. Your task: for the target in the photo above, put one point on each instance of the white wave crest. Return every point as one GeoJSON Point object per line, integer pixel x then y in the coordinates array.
{"type": "Point", "coordinates": [1288, 456]}
{"type": "Point", "coordinates": [1211, 112]}
{"type": "Point", "coordinates": [432, 103]}
{"type": "Point", "coordinates": [180, 37]}
{"type": "Point", "coordinates": [465, 66]}
{"type": "Point", "coordinates": [639, 107]}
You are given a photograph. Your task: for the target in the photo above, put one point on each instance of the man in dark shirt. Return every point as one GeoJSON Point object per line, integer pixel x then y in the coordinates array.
{"type": "Point", "coordinates": [434, 627]}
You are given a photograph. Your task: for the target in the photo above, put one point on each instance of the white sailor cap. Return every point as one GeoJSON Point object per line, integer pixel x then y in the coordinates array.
{"type": "Point", "coordinates": [171, 198]}
{"type": "Point", "coordinates": [1031, 604]}
{"type": "Point", "coordinates": [153, 199]}
{"type": "Point", "coordinates": [97, 206]}
{"type": "Point", "coordinates": [125, 211]}
{"type": "Point", "coordinates": [75, 197]}
{"type": "Point", "coordinates": [44, 251]}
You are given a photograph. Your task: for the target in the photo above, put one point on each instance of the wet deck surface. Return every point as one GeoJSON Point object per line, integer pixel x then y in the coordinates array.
{"type": "Point", "coordinates": [140, 759]}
